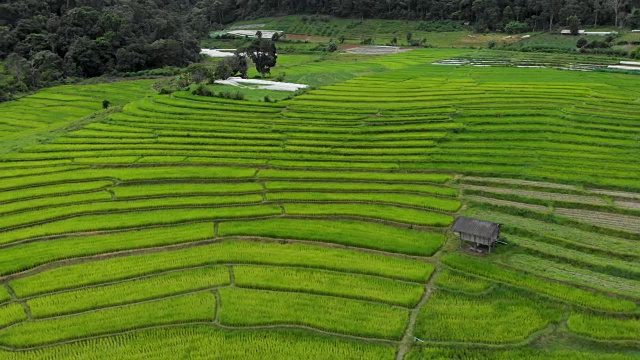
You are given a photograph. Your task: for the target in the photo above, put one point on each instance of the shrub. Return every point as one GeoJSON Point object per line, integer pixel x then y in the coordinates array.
{"type": "Point", "coordinates": [606, 51]}
{"type": "Point", "coordinates": [610, 37]}
{"type": "Point", "coordinates": [582, 42]}
{"type": "Point", "coordinates": [281, 76]}
{"type": "Point", "coordinates": [202, 90]}
{"type": "Point", "coordinates": [492, 44]}
{"type": "Point", "coordinates": [229, 95]}
{"type": "Point", "coordinates": [439, 26]}
{"type": "Point", "coordinates": [223, 70]}
{"type": "Point", "coordinates": [516, 27]}
{"type": "Point", "coordinates": [366, 41]}
{"type": "Point", "coordinates": [267, 98]}
{"type": "Point", "coordinates": [597, 44]}
{"type": "Point", "coordinates": [332, 47]}
{"type": "Point", "coordinates": [353, 24]}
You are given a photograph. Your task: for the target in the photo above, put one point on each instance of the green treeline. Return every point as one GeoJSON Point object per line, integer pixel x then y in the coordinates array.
{"type": "Point", "coordinates": [43, 42]}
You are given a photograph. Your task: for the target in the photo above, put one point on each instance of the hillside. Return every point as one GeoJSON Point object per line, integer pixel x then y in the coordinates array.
{"type": "Point", "coordinates": [184, 226]}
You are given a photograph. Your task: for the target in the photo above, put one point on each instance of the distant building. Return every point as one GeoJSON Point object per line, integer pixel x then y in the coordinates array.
{"type": "Point", "coordinates": [476, 232]}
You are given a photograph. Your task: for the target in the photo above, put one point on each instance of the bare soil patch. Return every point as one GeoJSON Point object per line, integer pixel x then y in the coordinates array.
{"type": "Point", "coordinates": [347, 46]}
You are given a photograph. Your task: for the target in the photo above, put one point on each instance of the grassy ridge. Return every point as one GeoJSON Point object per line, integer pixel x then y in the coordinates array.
{"type": "Point", "coordinates": [123, 192]}
{"type": "Point", "coordinates": [11, 314]}
{"type": "Point", "coordinates": [427, 202]}
{"type": "Point", "coordinates": [575, 275]}
{"type": "Point", "coordinates": [604, 328]}
{"type": "Point", "coordinates": [382, 177]}
{"type": "Point", "coordinates": [128, 292]}
{"type": "Point", "coordinates": [556, 290]}
{"type": "Point", "coordinates": [499, 317]}
{"type": "Point", "coordinates": [117, 221]}
{"type": "Point", "coordinates": [98, 272]}
{"type": "Point", "coordinates": [4, 294]}
{"type": "Point", "coordinates": [29, 255]}
{"type": "Point", "coordinates": [328, 283]}
{"type": "Point", "coordinates": [182, 309]}
{"type": "Point", "coordinates": [201, 342]}
{"type": "Point", "coordinates": [352, 233]}
{"type": "Point", "coordinates": [455, 281]}
{"type": "Point", "coordinates": [53, 190]}
{"type": "Point", "coordinates": [424, 353]}
{"type": "Point", "coordinates": [13, 220]}
{"type": "Point", "coordinates": [382, 212]}
{"type": "Point", "coordinates": [326, 313]}
{"type": "Point", "coordinates": [344, 186]}
{"type": "Point", "coordinates": [132, 174]}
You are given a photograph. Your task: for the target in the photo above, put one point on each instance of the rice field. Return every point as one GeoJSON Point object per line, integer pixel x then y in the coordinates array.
{"type": "Point", "coordinates": [180, 226]}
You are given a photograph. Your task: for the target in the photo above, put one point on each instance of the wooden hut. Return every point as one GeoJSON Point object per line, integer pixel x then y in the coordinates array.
{"type": "Point", "coordinates": [476, 232]}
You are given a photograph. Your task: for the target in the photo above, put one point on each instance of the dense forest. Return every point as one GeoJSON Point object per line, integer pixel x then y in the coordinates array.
{"type": "Point", "coordinates": [484, 14]}
{"type": "Point", "coordinates": [44, 41]}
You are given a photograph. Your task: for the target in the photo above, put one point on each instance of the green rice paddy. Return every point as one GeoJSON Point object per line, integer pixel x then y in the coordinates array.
{"type": "Point", "coordinates": [179, 226]}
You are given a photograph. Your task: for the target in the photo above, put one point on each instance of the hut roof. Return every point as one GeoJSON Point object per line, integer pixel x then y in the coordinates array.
{"type": "Point", "coordinates": [475, 227]}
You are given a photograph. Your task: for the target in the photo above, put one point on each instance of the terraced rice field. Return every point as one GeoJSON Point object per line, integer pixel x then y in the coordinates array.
{"type": "Point", "coordinates": [188, 227]}
{"type": "Point", "coordinates": [56, 107]}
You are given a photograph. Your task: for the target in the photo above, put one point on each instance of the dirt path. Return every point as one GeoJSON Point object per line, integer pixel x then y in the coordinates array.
{"type": "Point", "coordinates": [408, 338]}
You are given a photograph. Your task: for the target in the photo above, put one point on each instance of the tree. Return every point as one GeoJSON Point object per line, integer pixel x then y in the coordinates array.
{"type": "Point", "coordinates": [508, 15]}
{"type": "Point", "coordinates": [7, 41]}
{"type": "Point", "coordinates": [47, 68]}
{"type": "Point", "coordinates": [574, 24]}
{"type": "Point", "coordinates": [264, 55]}
{"type": "Point", "coordinates": [19, 68]}
{"type": "Point", "coordinates": [232, 66]}
{"type": "Point", "coordinates": [634, 19]}
{"type": "Point", "coordinates": [597, 6]}
{"type": "Point", "coordinates": [198, 73]}
{"type": "Point", "coordinates": [409, 37]}
{"type": "Point", "coordinates": [551, 9]}
{"type": "Point", "coordinates": [516, 27]}
{"type": "Point", "coordinates": [88, 56]}
{"type": "Point", "coordinates": [132, 58]}
{"type": "Point", "coordinates": [223, 70]}
{"type": "Point", "coordinates": [616, 6]}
